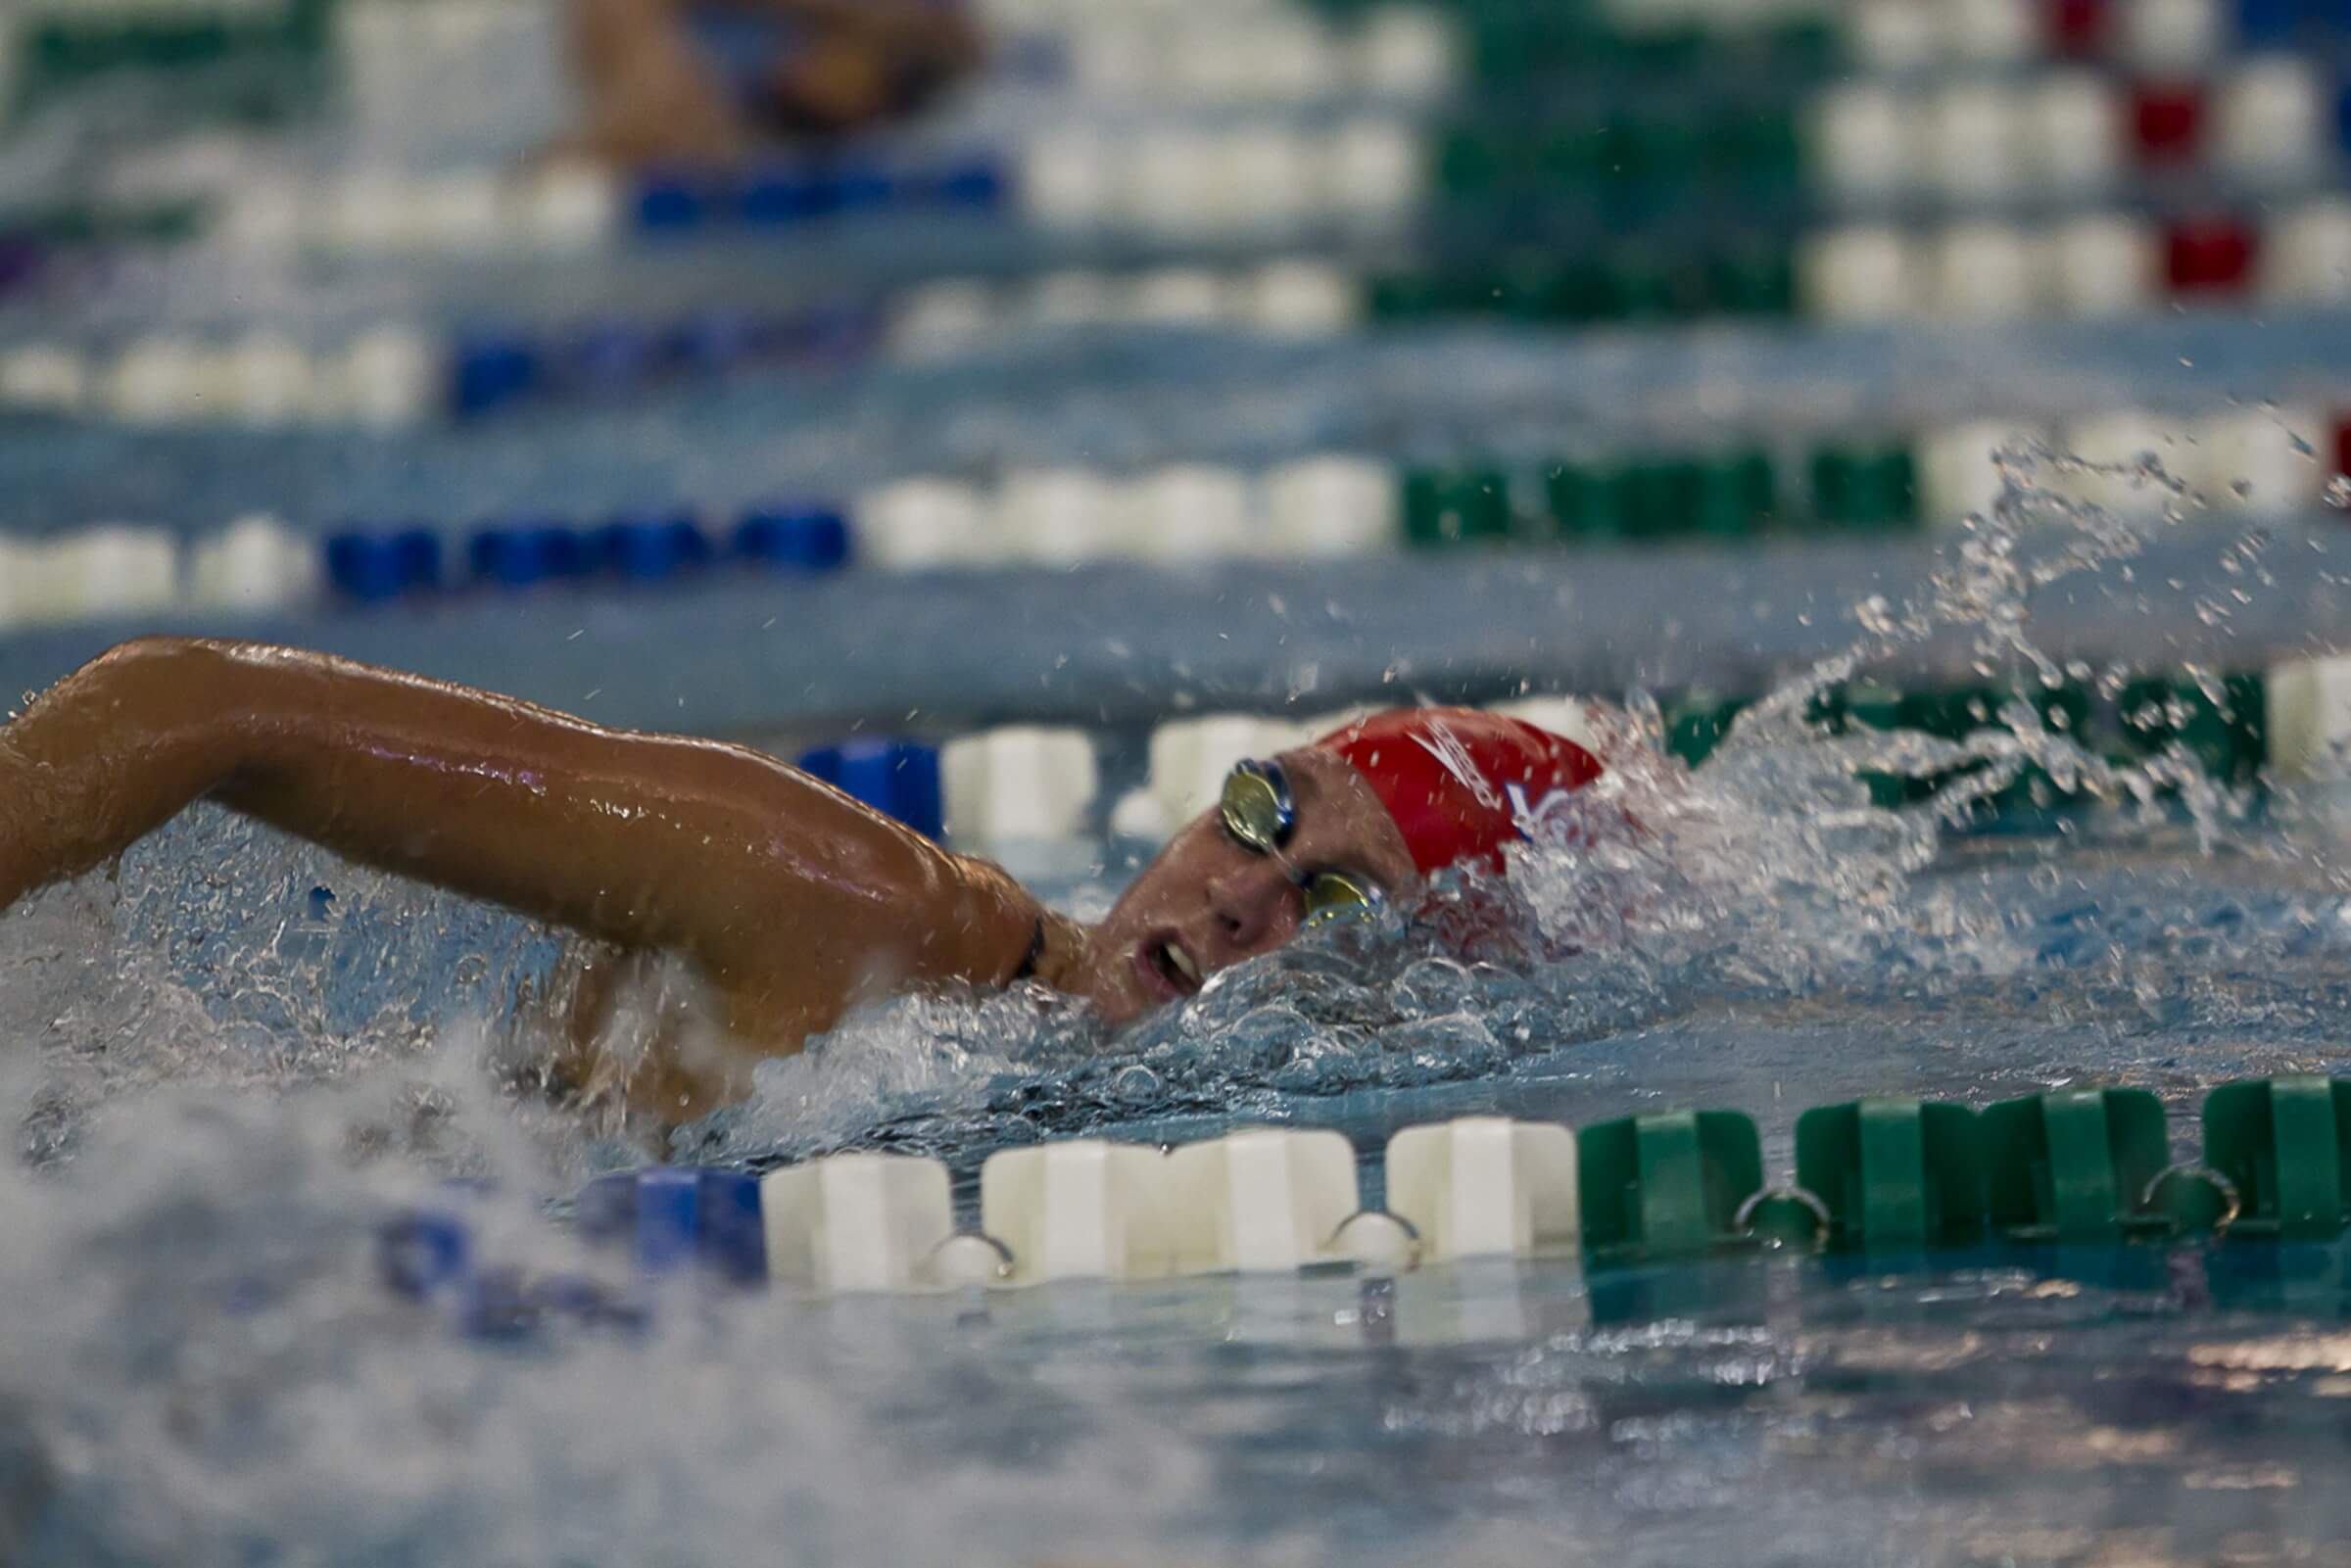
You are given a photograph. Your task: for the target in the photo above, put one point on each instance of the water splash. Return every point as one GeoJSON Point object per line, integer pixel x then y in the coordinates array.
{"type": "Point", "coordinates": [221, 953]}
{"type": "Point", "coordinates": [1768, 872]}
{"type": "Point", "coordinates": [201, 1369]}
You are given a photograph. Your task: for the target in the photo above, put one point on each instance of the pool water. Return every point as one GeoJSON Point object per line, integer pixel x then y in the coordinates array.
{"type": "Point", "coordinates": [203, 1368]}
{"type": "Point", "coordinates": [235, 1056]}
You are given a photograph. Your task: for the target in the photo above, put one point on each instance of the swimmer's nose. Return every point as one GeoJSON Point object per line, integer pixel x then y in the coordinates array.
{"type": "Point", "coordinates": [1253, 908]}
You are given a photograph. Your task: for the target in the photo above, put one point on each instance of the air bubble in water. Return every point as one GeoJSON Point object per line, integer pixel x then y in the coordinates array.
{"type": "Point", "coordinates": [1135, 1083]}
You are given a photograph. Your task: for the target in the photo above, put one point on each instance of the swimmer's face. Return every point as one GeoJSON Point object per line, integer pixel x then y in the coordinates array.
{"type": "Point", "coordinates": [1208, 901]}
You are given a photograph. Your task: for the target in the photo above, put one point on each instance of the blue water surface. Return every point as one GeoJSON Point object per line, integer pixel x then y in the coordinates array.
{"type": "Point", "coordinates": [232, 1079]}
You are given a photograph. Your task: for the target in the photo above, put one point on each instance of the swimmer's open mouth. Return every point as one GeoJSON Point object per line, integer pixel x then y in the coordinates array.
{"type": "Point", "coordinates": [1167, 967]}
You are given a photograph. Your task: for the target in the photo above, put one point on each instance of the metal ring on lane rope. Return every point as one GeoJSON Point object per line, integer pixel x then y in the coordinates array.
{"type": "Point", "coordinates": [1743, 1222]}
{"type": "Point", "coordinates": [1004, 1257]}
{"type": "Point", "coordinates": [1411, 1234]}
{"type": "Point", "coordinates": [2221, 1183]}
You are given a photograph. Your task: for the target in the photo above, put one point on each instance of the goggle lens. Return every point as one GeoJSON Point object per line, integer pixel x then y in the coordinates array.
{"type": "Point", "coordinates": [1257, 810]}
{"type": "Point", "coordinates": [1334, 895]}
{"type": "Point", "coordinates": [1256, 807]}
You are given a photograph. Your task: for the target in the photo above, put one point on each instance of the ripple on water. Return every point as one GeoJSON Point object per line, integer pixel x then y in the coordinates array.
{"type": "Point", "coordinates": [200, 1368]}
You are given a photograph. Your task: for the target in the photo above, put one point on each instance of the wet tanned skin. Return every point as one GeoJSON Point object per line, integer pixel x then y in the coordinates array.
{"type": "Point", "coordinates": [1225, 903]}
{"type": "Point", "coordinates": [793, 901]}
{"type": "Point", "coordinates": [653, 97]}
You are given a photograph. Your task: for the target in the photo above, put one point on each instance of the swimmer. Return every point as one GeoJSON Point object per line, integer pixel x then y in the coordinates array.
{"type": "Point", "coordinates": [790, 902]}
{"type": "Point", "coordinates": [705, 81]}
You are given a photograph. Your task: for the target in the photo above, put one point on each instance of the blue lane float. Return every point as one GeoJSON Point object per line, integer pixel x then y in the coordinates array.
{"type": "Point", "coordinates": [525, 554]}
{"type": "Point", "coordinates": [374, 568]}
{"type": "Point", "coordinates": [430, 1256]}
{"type": "Point", "coordinates": [422, 1253]}
{"type": "Point", "coordinates": [773, 197]}
{"type": "Point", "coordinates": [799, 538]}
{"type": "Point", "coordinates": [669, 201]}
{"type": "Point", "coordinates": [488, 371]}
{"type": "Point", "coordinates": [860, 187]}
{"type": "Point", "coordinates": [607, 359]}
{"type": "Point", "coordinates": [497, 369]}
{"type": "Point", "coordinates": [519, 555]}
{"type": "Point", "coordinates": [512, 1304]}
{"type": "Point", "coordinates": [976, 186]}
{"type": "Point", "coordinates": [896, 777]}
{"type": "Point", "coordinates": [650, 549]}
{"type": "Point", "coordinates": [784, 195]}
{"type": "Point", "coordinates": [673, 1217]}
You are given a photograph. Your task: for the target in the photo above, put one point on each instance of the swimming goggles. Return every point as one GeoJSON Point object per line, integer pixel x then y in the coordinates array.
{"type": "Point", "coordinates": [1259, 812]}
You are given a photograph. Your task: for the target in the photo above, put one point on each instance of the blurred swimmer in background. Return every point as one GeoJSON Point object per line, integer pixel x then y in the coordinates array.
{"type": "Point", "coordinates": [790, 902]}
{"type": "Point", "coordinates": [711, 81]}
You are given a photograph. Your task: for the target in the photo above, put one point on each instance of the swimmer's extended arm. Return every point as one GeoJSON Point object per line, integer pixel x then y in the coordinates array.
{"type": "Point", "coordinates": [794, 898]}
{"type": "Point", "coordinates": [650, 95]}
{"type": "Point", "coordinates": [653, 97]}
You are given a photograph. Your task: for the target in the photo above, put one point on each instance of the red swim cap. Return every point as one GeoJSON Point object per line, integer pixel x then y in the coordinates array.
{"type": "Point", "coordinates": [1457, 779]}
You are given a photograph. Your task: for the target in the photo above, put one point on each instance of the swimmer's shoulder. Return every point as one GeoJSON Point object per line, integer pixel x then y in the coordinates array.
{"type": "Point", "coordinates": [1007, 932]}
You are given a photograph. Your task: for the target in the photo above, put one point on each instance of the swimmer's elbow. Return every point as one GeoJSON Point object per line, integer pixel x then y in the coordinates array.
{"type": "Point", "coordinates": [182, 666]}
{"type": "Point", "coordinates": [161, 683]}
{"type": "Point", "coordinates": [141, 653]}
{"type": "Point", "coordinates": [114, 681]}
{"type": "Point", "coordinates": [178, 705]}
